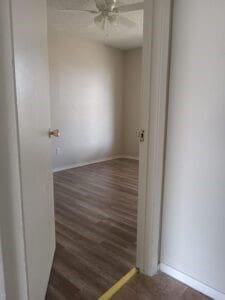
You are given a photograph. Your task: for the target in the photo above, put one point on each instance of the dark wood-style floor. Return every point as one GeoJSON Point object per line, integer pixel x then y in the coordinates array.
{"type": "Point", "coordinates": [96, 221]}
{"type": "Point", "coordinates": [159, 287]}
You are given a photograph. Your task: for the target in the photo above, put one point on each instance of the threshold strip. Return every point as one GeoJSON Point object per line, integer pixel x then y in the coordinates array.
{"type": "Point", "coordinates": [119, 284]}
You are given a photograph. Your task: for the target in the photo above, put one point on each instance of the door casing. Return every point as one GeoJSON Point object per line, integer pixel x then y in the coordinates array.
{"type": "Point", "coordinates": [156, 49]}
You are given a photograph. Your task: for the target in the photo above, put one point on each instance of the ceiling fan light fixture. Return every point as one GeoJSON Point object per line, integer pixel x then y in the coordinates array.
{"type": "Point", "coordinates": [111, 13]}
{"type": "Point", "coordinates": [106, 18]}
{"type": "Point", "coordinates": [111, 4]}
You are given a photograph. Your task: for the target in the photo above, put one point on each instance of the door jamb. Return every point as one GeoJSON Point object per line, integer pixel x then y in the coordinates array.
{"type": "Point", "coordinates": [156, 48]}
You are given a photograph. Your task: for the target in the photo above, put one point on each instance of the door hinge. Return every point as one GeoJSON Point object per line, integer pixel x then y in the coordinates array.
{"type": "Point", "coordinates": [141, 135]}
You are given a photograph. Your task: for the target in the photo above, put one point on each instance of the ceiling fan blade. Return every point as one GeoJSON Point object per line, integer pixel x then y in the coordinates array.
{"type": "Point", "coordinates": [99, 18]}
{"type": "Point", "coordinates": [126, 22]}
{"type": "Point", "coordinates": [79, 10]}
{"type": "Point", "coordinates": [100, 23]}
{"type": "Point", "coordinates": [130, 7]}
{"type": "Point", "coordinates": [100, 4]}
{"type": "Point", "coordinates": [112, 19]}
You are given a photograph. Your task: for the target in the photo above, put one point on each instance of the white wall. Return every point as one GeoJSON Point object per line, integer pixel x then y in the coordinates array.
{"type": "Point", "coordinates": [193, 240]}
{"type": "Point", "coordinates": [86, 81]}
{"type": "Point", "coordinates": [132, 95]}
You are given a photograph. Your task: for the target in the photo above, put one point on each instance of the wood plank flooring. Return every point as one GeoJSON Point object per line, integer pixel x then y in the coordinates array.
{"type": "Point", "coordinates": [96, 221]}
{"type": "Point", "coordinates": [159, 287]}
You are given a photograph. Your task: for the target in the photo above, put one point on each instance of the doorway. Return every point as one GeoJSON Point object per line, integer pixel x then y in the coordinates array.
{"type": "Point", "coordinates": [95, 88]}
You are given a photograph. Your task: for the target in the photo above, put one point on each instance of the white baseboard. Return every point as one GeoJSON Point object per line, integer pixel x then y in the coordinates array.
{"type": "Point", "coordinates": [91, 162]}
{"type": "Point", "coordinates": [77, 165]}
{"type": "Point", "coordinates": [193, 283]}
{"type": "Point", "coordinates": [130, 157]}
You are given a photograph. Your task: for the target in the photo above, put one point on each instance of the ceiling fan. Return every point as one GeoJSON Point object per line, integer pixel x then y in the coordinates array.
{"type": "Point", "coordinates": [109, 12]}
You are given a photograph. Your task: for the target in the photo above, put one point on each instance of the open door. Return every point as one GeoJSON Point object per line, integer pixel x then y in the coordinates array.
{"type": "Point", "coordinates": [29, 31]}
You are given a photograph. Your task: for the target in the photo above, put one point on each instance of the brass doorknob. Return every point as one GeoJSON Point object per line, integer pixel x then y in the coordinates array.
{"type": "Point", "coordinates": [53, 132]}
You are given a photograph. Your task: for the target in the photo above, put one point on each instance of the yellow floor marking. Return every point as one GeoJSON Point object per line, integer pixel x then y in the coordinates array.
{"type": "Point", "coordinates": [119, 284]}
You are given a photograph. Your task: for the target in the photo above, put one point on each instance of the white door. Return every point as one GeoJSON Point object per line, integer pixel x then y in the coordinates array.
{"type": "Point", "coordinates": [29, 26]}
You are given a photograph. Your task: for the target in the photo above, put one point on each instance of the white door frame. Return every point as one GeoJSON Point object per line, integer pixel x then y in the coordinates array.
{"type": "Point", "coordinates": [156, 48]}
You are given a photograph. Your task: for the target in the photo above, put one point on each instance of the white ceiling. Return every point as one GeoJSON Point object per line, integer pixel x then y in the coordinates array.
{"type": "Point", "coordinates": [81, 23]}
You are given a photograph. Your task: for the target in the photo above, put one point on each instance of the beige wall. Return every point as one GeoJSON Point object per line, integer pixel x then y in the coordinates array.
{"type": "Point", "coordinates": [86, 81]}
{"type": "Point", "coordinates": [193, 240]}
{"type": "Point", "coordinates": [132, 94]}
{"type": "Point", "coordinates": [92, 102]}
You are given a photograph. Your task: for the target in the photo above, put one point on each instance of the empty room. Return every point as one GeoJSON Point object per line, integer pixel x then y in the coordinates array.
{"type": "Point", "coordinates": [95, 65]}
